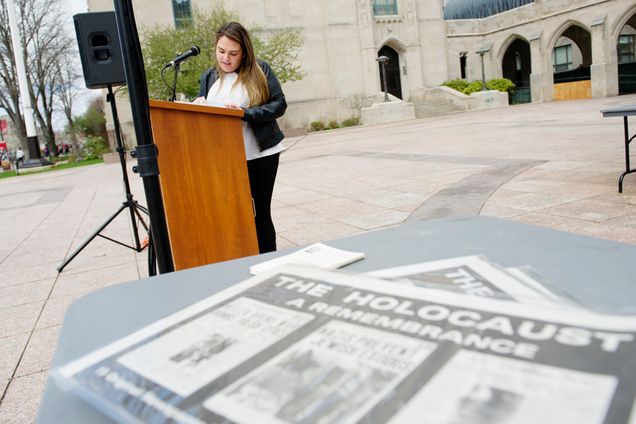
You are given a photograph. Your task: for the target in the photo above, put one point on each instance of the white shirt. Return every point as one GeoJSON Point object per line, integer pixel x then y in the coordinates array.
{"type": "Point", "coordinates": [226, 92]}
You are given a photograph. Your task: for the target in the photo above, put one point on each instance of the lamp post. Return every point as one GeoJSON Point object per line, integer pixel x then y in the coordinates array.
{"type": "Point", "coordinates": [29, 121]}
{"type": "Point", "coordinates": [383, 61]}
{"type": "Point", "coordinates": [481, 52]}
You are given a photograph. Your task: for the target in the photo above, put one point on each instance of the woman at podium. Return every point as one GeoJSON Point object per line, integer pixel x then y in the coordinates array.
{"type": "Point", "coordinates": [239, 81]}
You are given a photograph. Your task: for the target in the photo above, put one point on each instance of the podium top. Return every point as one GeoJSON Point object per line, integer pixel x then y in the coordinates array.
{"type": "Point", "coordinates": [191, 107]}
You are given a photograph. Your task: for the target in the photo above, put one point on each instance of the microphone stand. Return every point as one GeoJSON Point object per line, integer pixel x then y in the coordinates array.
{"type": "Point", "coordinates": [176, 67]}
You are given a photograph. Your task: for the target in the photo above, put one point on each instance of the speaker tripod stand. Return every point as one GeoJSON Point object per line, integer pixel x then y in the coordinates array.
{"type": "Point", "coordinates": [129, 204]}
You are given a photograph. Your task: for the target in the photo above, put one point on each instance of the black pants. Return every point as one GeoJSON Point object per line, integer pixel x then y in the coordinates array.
{"type": "Point", "coordinates": [262, 173]}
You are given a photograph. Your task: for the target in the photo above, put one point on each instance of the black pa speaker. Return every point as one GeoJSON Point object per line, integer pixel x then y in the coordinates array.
{"type": "Point", "coordinates": [99, 49]}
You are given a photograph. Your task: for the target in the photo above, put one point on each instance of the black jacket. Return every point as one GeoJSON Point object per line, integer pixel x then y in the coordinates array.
{"type": "Point", "coordinates": [261, 118]}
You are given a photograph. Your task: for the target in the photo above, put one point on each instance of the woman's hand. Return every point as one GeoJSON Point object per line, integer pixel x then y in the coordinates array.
{"type": "Point", "coordinates": [232, 106]}
{"type": "Point", "coordinates": [199, 100]}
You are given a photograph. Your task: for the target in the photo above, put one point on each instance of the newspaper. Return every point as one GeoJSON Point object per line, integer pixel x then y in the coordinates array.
{"type": "Point", "coordinates": [314, 380]}
{"type": "Point", "coordinates": [303, 345]}
{"type": "Point", "coordinates": [477, 276]}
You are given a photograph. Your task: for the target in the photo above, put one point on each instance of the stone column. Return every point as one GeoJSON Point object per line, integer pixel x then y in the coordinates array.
{"type": "Point", "coordinates": [604, 69]}
{"type": "Point", "coordinates": [433, 54]}
{"type": "Point", "coordinates": [369, 51]}
{"type": "Point", "coordinates": [538, 81]}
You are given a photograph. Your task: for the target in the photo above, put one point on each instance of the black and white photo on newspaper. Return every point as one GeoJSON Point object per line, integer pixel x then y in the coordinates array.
{"type": "Point", "coordinates": [302, 345]}
{"type": "Point", "coordinates": [475, 275]}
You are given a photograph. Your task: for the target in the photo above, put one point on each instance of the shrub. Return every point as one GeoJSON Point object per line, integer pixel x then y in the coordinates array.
{"type": "Point", "coordinates": [473, 87]}
{"type": "Point", "coordinates": [351, 122]}
{"type": "Point", "coordinates": [94, 147]}
{"type": "Point", "coordinates": [333, 124]}
{"type": "Point", "coordinates": [457, 84]}
{"type": "Point", "coordinates": [463, 86]}
{"type": "Point", "coordinates": [500, 84]}
{"type": "Point", "coordinates": [356, 101]}
{"type": "Point", "coordinates": [316, 126]}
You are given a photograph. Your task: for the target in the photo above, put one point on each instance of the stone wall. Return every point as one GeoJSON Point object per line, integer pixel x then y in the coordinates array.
{"type": "Point", "coordinates": [342, 39]}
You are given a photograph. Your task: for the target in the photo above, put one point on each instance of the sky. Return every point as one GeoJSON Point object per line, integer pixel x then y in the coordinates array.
{"type": "Point", "coordinates": [74, 6]}
{"type": "Point", "coordinates": [70, 8]}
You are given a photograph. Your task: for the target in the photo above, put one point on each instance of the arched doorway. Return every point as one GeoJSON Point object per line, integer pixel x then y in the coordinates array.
{"type": "Point", "coordinates": [571, 61]}
{"type": "Point", "coordinates": [392, 71]}
{"type": "Point", "coordinates": [516, 66]}
{"type": "Point", "coordinates": [626, 57]}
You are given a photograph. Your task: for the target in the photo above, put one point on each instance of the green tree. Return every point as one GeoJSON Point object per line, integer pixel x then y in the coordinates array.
{"type": "Point", "coordinates": [277, 47]}
{"type": "Point", "coordinates": [92, 125]}
{"type": "Point", "coordinates": [93, 122]}
{"type": "Point", "coordinates": [280, 49]}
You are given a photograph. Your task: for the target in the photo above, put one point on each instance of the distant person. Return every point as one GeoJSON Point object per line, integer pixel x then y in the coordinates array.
{"type": "Point", "coordinates": [239, 81]}
{"type": "Point", "coordinates": [47, 153]}
{"type": "Point", "coordinates": [19, 156]}
{"type": "Point", "coordinates": [4, 159]}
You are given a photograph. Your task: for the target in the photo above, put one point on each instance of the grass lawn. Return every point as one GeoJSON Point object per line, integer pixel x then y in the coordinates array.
{"type": "Point", "coordinates": [55, 167]}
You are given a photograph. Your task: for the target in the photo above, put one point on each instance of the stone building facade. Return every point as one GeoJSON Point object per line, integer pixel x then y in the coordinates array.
{"type": "Point", "coordinates": [592, 28]}
{"type": "Point", "coordinates": [538, 44]}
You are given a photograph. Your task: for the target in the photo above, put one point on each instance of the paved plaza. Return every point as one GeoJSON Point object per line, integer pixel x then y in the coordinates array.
{"type": "Point", "coordinates": [553, 165]}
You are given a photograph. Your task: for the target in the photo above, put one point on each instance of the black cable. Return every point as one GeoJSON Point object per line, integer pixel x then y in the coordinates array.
{"type": "Point", "coordinates": [118, 89]}
{"type": "Point", "coordinates": [163, 78]}
{"type": "Point", "coordinates": [297, 141]}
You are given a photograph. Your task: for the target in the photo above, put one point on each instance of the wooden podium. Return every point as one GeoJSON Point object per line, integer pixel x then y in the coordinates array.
{"type": "Point", "coordinates": [204, 182]}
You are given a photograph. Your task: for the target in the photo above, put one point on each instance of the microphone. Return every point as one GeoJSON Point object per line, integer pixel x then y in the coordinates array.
{"type": "Point", "coordinates": [193, 51]}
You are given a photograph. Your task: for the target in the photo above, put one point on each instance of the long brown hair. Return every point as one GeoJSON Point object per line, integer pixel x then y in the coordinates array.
{"type": "Point", "coordinates": [249, 73]}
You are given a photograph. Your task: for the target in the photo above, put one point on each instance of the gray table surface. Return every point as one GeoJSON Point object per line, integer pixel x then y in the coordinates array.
{"type": "Point", "coordinates": [629, 110]}
{"type": "Point", "coordinates": [598, 273]}
{"type": "Point", "coordinates": [625, 112]}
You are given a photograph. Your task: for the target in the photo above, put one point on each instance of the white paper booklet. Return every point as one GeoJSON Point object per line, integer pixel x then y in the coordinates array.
{"type": "Point", "coordinates": [317, 255]}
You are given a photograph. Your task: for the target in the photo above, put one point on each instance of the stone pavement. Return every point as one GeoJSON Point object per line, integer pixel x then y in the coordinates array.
{"type": "Point", "coordinates": [554, 165]}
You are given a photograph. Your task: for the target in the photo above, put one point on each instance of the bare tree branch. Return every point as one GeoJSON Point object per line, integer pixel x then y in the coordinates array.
{"type": "Point", "coordinates": [68, 92]}
{"type": "Point", "coordinates": [46, 48]}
